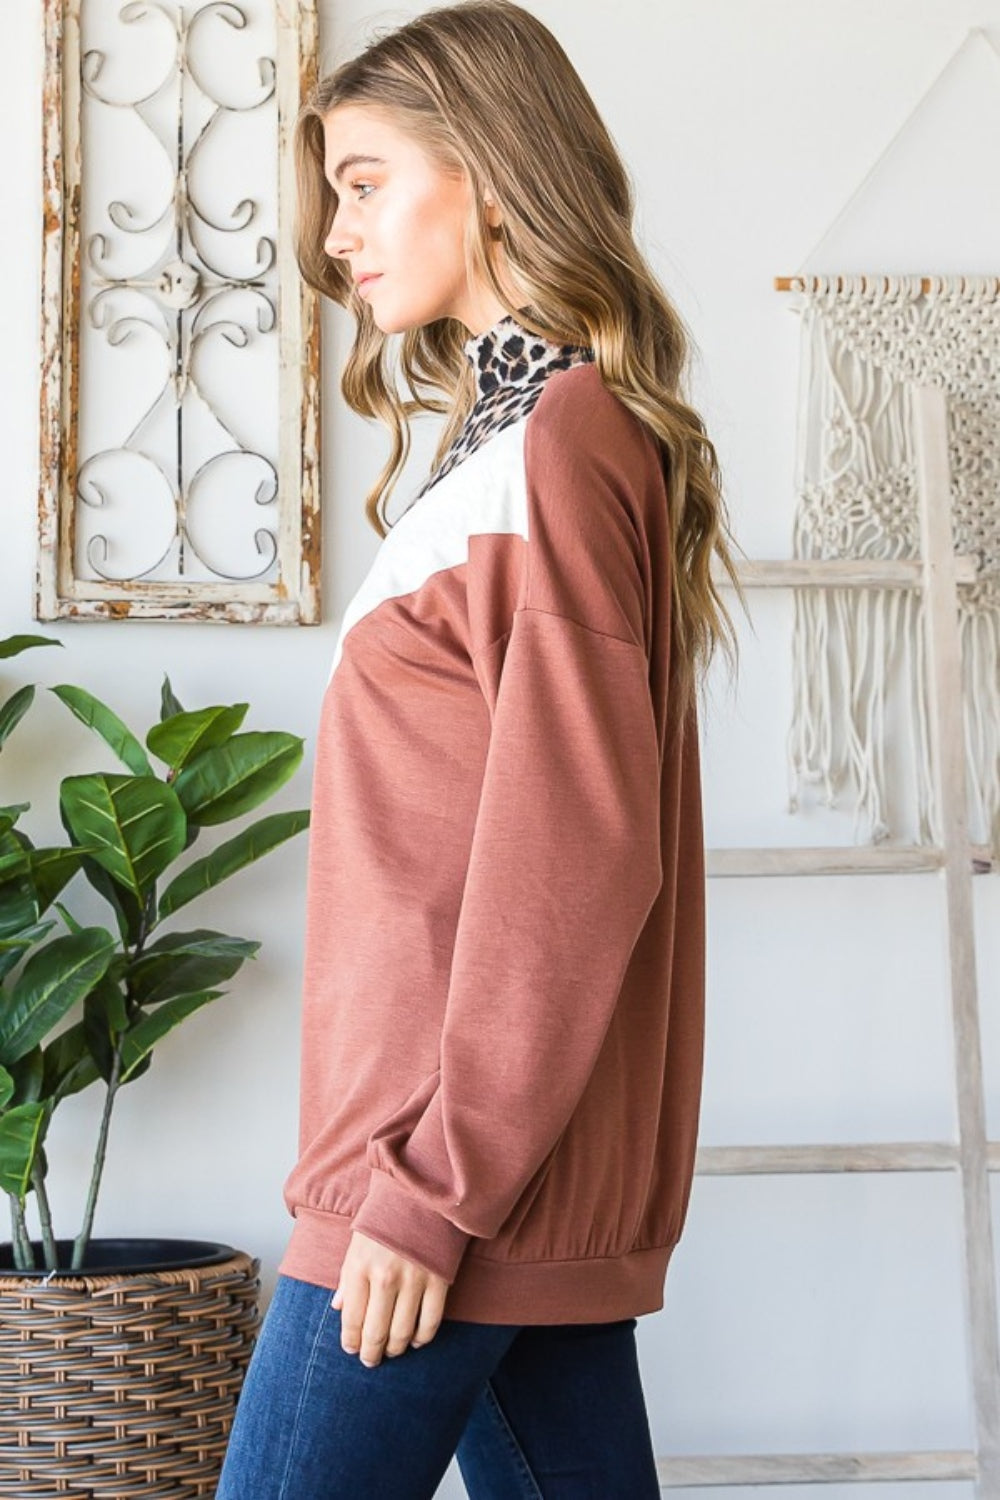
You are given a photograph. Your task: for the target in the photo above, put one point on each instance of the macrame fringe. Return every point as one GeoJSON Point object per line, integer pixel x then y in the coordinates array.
{"type": "Point", "coordinates": [863, 339]}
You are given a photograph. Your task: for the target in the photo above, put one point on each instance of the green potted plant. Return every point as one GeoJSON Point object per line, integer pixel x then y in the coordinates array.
{"type": "Point", "coordinates": [120, 1361]}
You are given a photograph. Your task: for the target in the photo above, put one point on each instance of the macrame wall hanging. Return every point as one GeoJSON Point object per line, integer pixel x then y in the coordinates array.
{"type": "Point", "coordinates": [860, 726]}
{"type": "Point", "coordinates": [863, 340]}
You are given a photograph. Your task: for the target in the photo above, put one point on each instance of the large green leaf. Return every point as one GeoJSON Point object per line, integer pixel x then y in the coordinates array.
{"type": "Point", "coordinates": [183, 735]}
{"type": "Point", "coordinates": [20, 1132]}
{"type": "Point", "coordinates": [15, 859]}
{"type": "Point", "coordinates": [52, 981]}
{"type": "Point", "coordinates": [253, 842]}
{"type": "Point", "coordinates": [7, 1087]}
{"type": "Point", "coordinates": [25, 937]}
{"type": "Point", "coordinates": [169, 702]}
{"type": "Point", "coordinates": [15, 644]}
{"type": "Point", "coordinates": [134, 825]}
{"type": "Point", "coordinates": [152, 1028]}
{"type": "Point", "coordinates": [14, 710]}
{"type": "Point", "coordinates": [18, 909]}
{"type": "Point", "coordinates": [113, 1005]}
{"type": "Point", "coordinates": [183, 962]}
{"type": "Point", "coordinates": [224, 782]}
{"type": "Point", "coordinates": [51, 869]}
{"type": "Point", "coordinates": [27, 1075]}
{"type": "Point", "coordinates": [104, 1018]}
{"type": "Point", "coordinates": [9, 959]}
{"type": "Point", "coordinates": [72, 924]}
{"type": "Point", "coordinates": [13, 949]}
{"type": "Point", "coordinates": [127, 907]}
{"type": "Point", "coordinates": [67, 1066]}
{"type": "Point", "coordinates": [97, 716]}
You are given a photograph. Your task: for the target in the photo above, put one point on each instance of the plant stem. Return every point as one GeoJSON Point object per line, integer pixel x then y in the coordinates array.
{"type": "Point", "coordinates": [24, 1255]}
{"type": "Point", "coordinates": [45, 1219]}
{"type": "Point", "coordinates": [83, 1238]}
{"type": "Point", "coordinates": [15, 1238]}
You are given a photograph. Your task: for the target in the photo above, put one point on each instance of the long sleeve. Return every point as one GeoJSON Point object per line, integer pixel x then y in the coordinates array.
{"type": "Point", "coordinates": [564, 868]}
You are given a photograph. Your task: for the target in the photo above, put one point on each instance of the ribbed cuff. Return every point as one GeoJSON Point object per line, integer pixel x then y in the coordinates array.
{"type": "Point", "coordinates": [392, 1216]}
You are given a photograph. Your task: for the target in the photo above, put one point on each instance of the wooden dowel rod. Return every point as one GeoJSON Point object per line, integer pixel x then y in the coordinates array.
{"type": "Point", "coordinates": [853, 859]}
{"type": "Point", "coordinates": [808, 283]}
{"type": "Point", "coordinates": [838, 572]}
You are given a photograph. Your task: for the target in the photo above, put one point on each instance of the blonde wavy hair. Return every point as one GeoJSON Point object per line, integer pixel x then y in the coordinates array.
{"type": "Point", "coordinates": [487, 90]}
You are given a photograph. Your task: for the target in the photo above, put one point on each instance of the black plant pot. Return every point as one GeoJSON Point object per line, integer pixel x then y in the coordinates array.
{"type": "Point", "coordinates": [129, 1257]}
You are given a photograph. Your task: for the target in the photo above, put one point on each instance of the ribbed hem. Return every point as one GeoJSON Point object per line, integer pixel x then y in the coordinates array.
{"type": "Point", "coordinates": [595, 1290]}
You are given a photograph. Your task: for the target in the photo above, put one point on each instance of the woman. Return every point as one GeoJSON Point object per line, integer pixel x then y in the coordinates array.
{"type": "Point", "coordinates": [504, 973]}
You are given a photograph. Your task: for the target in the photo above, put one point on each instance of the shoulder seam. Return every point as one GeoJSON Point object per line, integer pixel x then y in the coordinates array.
{"type": "Point", "coordinates": [533, 609]}
{"type": "Point", "coordinates": [607, 635]}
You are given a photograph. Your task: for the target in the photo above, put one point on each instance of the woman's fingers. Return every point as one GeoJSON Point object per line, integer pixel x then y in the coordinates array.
{"type": "Point", "coordinates": [382, 1295]}
{"type": "Point", "coordinates": [386, 1301]}
{"type": "Point", "coordinates": [404, 1319]}
{"type": "Point", "coordinates": [431, 1311]}
{"type": "Point", "coordinates": [352, 1298]}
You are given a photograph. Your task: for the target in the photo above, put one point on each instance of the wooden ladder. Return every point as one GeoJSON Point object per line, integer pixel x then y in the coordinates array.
{"type": "Point", "coordinates": [938, 573]}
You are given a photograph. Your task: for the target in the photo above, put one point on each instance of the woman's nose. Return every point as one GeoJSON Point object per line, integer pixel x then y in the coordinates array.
{"type": "Point", "coordinates": [341, 239]}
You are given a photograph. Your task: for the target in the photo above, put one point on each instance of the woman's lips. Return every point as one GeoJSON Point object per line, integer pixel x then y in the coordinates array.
{"type": "Point", "coordinates": [366, 281]}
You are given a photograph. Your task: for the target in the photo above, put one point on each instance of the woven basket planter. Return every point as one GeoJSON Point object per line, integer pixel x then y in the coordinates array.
{"type": "Point", "coordinates": [123, 1384]}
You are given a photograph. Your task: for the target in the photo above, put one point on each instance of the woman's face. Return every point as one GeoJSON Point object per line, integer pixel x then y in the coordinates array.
{"type": "Point", "coordinates": [401, 221]}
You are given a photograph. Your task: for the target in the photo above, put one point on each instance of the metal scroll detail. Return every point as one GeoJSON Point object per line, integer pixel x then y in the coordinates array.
{"type": "Point", "coordinates": [179, 430]}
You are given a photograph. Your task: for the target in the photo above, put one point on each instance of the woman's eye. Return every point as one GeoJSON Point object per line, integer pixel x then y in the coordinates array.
{"type": "Point", "coordinates": [358, 186]}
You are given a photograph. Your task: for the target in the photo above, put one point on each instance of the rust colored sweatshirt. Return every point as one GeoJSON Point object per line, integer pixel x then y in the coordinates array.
{"type": "Point", "coordinates": [504, 969]}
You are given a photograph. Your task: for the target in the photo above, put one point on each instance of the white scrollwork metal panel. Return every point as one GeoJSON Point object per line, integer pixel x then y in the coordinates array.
{"type": "Point", "coordinates": [180, 380]}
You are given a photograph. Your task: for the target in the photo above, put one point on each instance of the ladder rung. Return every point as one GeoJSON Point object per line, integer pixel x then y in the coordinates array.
{"type": "Point", "coordinates": [860, 859]}
{"type": "Point", "coordinates": [839, 572]}
{"type": "Point", "coordinates": [877, 1156]}
{"type": "Point", "coordinates": [811, 1468]}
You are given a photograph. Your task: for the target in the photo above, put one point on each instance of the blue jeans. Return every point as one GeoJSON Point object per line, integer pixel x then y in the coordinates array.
{"type": "Point", "coordinates": [533, 1412]}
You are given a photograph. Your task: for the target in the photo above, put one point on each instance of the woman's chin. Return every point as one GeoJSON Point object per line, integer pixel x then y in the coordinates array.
{"type": "Point", "coordinates": [387, 323]}
{"type": "Point", "coordinates": [395, 320]}
{"type": "Point", "coordinates": [398, 324]}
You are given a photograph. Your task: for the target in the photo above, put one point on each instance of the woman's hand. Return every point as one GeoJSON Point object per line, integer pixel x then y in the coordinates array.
{"type": "Point", "coordinates": [387, 1302]}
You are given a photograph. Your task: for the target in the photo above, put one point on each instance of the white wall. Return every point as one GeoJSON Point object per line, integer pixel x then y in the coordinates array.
{"type": "Point", "coordinates": [810, 1314]}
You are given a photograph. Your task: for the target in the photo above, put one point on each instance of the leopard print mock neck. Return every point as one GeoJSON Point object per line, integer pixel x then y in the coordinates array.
{"type": "Point", "coordinates": [511, 366]}
{"type": "Point", "coordinates": [507, 354]}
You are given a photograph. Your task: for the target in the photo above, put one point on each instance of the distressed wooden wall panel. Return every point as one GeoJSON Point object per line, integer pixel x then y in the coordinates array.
{"type": "Point", "coordinates": [164, 493]}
